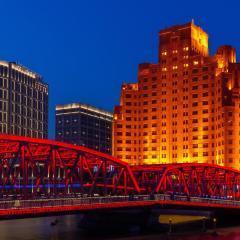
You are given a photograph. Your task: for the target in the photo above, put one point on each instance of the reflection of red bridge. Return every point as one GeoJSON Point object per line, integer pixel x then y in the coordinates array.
{"type": "Point", "coordinates": [43, 176]}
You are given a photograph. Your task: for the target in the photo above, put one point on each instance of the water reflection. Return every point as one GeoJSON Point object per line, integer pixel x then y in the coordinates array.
{"type": "Point", "coordinates": [40, 228]}
{"type": "Point", "coordinates": [67, 228]}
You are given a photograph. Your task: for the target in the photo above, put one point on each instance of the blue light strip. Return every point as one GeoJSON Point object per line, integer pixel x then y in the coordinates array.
{"type": "Point", "coordinates": [76, 185]}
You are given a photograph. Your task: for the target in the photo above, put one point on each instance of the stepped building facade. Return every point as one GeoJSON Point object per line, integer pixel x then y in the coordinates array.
{"type": "Point", "coordinates": [185, 108]}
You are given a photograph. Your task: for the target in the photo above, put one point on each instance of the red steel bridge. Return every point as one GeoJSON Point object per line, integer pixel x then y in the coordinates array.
{"type": "Point", "coordinates": [43, 176]}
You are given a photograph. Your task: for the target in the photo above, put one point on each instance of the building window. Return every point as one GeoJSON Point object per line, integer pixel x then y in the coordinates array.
{"type": "Point", "coordinates": [205, 111]}
{"type": "Point", "coordinates": [205, 145]}
{"type": "Point", "coordinates": [195, 104]}
{"type": "Point", "coordinates": [194, 112]}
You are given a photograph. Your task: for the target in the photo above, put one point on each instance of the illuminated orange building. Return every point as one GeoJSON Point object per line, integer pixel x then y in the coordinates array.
{"type": "Point", "coordinates": [185, 108]}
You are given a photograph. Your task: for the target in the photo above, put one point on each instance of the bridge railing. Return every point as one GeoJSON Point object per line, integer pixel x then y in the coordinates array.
{"type": "Point", "coordinates": [37, 203]}
{"type": "Point", "coordinates": [41, 203]}
{"type": "Point", "coordinates": [196, 199]}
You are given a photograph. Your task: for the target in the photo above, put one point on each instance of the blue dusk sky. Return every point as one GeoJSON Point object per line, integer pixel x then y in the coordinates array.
{"type": "Point", "coordinates": [86, 49]}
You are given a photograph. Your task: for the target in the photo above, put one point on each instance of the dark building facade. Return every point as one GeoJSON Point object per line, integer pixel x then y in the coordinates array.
{"type": "Point", "coordinates": [23, 101]}
{"type": "Point", "coordinates": [84, 125]}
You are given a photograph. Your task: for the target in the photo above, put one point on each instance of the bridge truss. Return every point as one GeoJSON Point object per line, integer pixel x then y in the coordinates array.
{"type": "Point", "coordinates": [35, 168]}
{"type": "Point", "coordinates": [189, 179]}
{"type": "Point", "coordinates": [32, 168]}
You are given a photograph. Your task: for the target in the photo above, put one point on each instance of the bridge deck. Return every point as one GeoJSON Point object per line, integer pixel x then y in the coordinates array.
{"type": "Point", "coordinates": [20, 208]}
{"type": "Point", "coordinates": [49, 172]}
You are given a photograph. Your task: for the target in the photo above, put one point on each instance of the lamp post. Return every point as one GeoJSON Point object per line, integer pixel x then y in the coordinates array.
{"type": "Point", "coordinates": [204, 224]}
{"type": "Point", "coordinates": [170, 225]}
{"type": "Point", "coordinates": [214, 227]}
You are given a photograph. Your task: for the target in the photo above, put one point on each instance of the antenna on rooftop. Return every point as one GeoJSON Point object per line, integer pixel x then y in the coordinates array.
{"type": "Point", "coordinates": [192, 21]}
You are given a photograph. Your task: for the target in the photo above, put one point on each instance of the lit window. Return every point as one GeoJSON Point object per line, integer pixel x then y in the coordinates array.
{"type": "Point", "coordinates": [185, 48]}
{"type": "Point", "coordinates": [175, 51]}
{"type": "Point", "coordinates": [195, 62]}
{"type": "Point", "coordinates": [175, 67]}
{"type": "Point", "coordinates": [164, 69]}
{"type": "Point", "coordinates": [185, 64]}
{"type": "Point", "coordinates": [164, 53]}
{"type": "Point", "coordinates": [195, 154]}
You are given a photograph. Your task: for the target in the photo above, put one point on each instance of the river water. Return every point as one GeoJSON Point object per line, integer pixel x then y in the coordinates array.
{"type": "Point", "coordinates": [67, 228]}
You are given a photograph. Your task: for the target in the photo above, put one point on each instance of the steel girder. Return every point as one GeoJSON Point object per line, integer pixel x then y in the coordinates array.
{"type": "Point", "coordinates": [191, 179]}
{"type": "Point", "coordinates": [32, 168]}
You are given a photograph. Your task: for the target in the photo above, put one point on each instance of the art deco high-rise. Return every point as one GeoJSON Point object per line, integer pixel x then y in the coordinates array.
{"type": "Point", "coordinates": [185, 108]}
{"type": "Point", "coordinates": [23, 101]}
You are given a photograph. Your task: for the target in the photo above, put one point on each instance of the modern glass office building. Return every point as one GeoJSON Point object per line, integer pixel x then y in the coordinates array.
{"type": "Point", "coordinates": [23, 101]}
{"type": "Point", "coordinates": [84, 125]}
